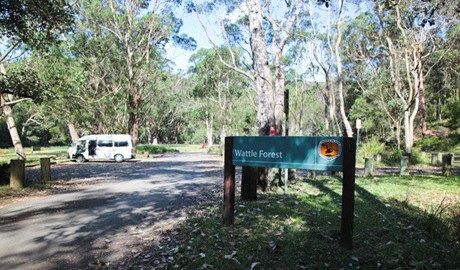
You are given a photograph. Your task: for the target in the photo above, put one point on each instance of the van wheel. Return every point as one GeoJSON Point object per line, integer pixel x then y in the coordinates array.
{"type": "Point", "coordinates": [119, 158]}
{"type": "Point", "coordinates": [80, 159]}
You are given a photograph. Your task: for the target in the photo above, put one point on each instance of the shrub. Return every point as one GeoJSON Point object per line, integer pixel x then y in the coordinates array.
{"type": "Point", "coordinates": [392, 156]}
{"type": "Point", "coordinates": [370, 149]}
{"type": "Point", "coordinates": [216, 150]}
{"type": "Point", "coordinates": [435, 144]}
{"type": "Point", "coordinates": [417, 157]}
{"type": "Point", "coordinates": [154, 149]}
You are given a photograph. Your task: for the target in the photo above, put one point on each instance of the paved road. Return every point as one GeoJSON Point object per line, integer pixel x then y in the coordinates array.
{"type": "Point", "coordinates": [132, 203]}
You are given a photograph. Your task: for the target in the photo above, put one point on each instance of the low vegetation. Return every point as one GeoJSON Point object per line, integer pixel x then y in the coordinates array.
{"type": "Point", "coordinates": [400, 223]}
{"type": "Point", "coordinates": [57, 154]}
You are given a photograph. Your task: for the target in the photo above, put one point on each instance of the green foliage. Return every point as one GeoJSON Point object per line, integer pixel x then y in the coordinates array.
{"type": "Point", "coordinates": [371, 148]}
{"type": "Point", "coordinates": [453, 111]}
{"type": "Point", "coordinates": [392, 156]}
{"type": "Point", "coordinates": [216, 150]}
{"type": "Point", "coordinates": [439, 223]}
{"type": "Point", "coordinates": [417, 157]}
{"type": "Point", "coordinates": [35, 23]}
{"type": "Point", "coordinates": [23, 82]}
{"type": "Point", "coordinates": [154, 149]}
{"type": "Point", "coordinates": [436, 144]}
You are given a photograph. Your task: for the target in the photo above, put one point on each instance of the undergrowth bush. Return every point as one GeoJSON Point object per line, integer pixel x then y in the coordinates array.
{"type": "Point", "coordinates": [392, 157]}
{"type": "Point", "coordinates": [435, 144]}
{"type": "Point", "coordinates": [438, 223]}
{"type": "Point", "coordinates": [154, 149]}
{"type": "Point", "coordinates": [216, 150]}
{"type": "Point", "coordinates": [370, 149]}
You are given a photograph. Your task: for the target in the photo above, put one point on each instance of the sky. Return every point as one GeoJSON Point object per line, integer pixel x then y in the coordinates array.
{"type": "Point", "coordinates": [192, 28]}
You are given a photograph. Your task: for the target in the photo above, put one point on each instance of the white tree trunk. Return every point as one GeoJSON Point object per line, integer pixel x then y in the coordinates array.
{"type": "Point", "coordinates": [209, 132]}
{"type": "Point", "coordinates": [345, 121]}
{"type": "Point", "coordinates": [263, 77]}
{"type": "Point", "coordinates": [73, 131]}
{"type": "Point", "coordinates": [8, 112]}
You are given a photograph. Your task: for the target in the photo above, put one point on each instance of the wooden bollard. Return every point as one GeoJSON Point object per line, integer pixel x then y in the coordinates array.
{"type": "Point", "coordinates": [368, 167]}
{"type": "Point", "coordinates": [17, 173]}
{"type": "Point", "coordinates": [404, 166]}
{"type": "Point", "coordinates": [447, 161]}
{"type": "Point", "coordinates": [45, 166]}
{"type": "Point", "coordinates": [436, 159]}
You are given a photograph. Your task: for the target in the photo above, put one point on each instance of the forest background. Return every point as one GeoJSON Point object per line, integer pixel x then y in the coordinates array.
{"type": "Point", "coordinates": [391, 64]}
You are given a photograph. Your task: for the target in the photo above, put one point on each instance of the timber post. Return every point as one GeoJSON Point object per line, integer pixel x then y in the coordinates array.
{"type": "Point", "coordinates": [229, 183]}
{"type": "Point", "coordinates": [447, 161]}
{"type": "Point", "coordinates": [17, 173]}
{"type": "Point", "coordinates": [348, 193]}
{"type": "Point", "coordinates": [45, 168]}
{"type": "Point", "coordinates": [368, 167]}
{"type": "Point", "coordinates": [404, 171]}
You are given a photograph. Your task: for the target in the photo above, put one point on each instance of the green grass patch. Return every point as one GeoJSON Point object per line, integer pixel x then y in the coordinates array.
{"type": "Point", "coordinates": [56, 153]}
{"type": "Point", "coordinates": [400, 223]}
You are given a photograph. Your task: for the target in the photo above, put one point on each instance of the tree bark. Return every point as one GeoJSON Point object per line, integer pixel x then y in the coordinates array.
{"type": "Point", "coordinates": [8, 112]}
{"type": "Point", "coordinates": [73, 131]}
{"type": "Point", "coordinates": [16, 139]}
{"type": "Point", "coordinates": [345, 121]}
{"type": "Point", "coordinates": [263, 77]}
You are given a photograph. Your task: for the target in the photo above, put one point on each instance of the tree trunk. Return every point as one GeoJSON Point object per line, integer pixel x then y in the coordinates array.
{"type": "Point", "coordinates": [263, 78]}
{"type": "Point", "coordinates": [345, 121]}
{"type": "Point", "coordinates": [223, 134]}
{"type": "Point", "coordinates": [8, 111]}
{"type": "Point", "coordinates": [134, 117]}
{"type": "Point", "coordinates": [279, 91]}
{"type": "Point", "coordinates": [16, 139]}
{"type": "Point", "coordinates": [73, 131]}
{"type": "Point", "coordinates": [209, 133]}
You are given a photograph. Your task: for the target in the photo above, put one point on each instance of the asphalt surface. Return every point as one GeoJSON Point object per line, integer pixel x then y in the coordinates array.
{"type": "Point", "coordinates": [125, 208]}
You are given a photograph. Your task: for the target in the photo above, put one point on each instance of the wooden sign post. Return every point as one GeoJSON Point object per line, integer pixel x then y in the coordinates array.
{"type": "Point", "coordinates": [296, 152]}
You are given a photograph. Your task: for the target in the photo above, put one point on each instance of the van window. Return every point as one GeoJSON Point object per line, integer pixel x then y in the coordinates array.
{"type": "Point", "coordinates": [105, 143]}
{"type": "Point", "coordinates": [121, 143]}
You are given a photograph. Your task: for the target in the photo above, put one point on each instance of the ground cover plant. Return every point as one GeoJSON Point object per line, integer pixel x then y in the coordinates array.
{"type": "Point", "coordinates": [400, 223]}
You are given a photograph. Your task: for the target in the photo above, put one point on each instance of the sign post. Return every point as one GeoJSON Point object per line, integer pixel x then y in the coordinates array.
{"type": "Point", "coordinates": [297, 152]}
{"type": "Point", "coordinates": [229, 183]}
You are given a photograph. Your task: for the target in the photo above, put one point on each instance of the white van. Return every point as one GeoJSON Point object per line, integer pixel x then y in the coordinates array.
{"type": "Point", "coordinates": [118, 147]}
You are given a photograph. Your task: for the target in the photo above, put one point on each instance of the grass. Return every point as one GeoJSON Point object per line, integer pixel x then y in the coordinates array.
{"type": "Point", "coordinates": [400, 223]}
{"type": "Point", "coordinates": [57, 154]}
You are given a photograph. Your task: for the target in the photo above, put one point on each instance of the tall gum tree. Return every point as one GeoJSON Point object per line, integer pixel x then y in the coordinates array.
{"type": "Point", "coordinates": [410, 40]}
{"type": "Point", "coordinates": [141, 28]}
{"type": "Point", "coordinates": [36, 25]}
{"type": "Point", "coordinates": [264, 33]}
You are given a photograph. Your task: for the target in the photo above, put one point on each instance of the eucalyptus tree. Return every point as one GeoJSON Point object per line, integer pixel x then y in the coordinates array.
{"type": "Point", "coordinates": [27, 25]}
{"type": "Point", "coordinates": [217, 87]}
{"type": "Point", "coordinates": [165, 115]}
{"type": "Point", "coordinates": [263, 29]}
{"type": "Point", "coordinates": [410, 39]}
{"type": "Point", "coordinates": [140, 30]}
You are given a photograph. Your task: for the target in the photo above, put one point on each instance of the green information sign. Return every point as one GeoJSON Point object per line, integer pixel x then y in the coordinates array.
{"type": "Point", "coordinates": [296, 152]}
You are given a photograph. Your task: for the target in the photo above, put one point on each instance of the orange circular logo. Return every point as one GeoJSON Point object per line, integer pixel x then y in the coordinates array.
{"type": "Point", "coordinates": [330, 149]}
